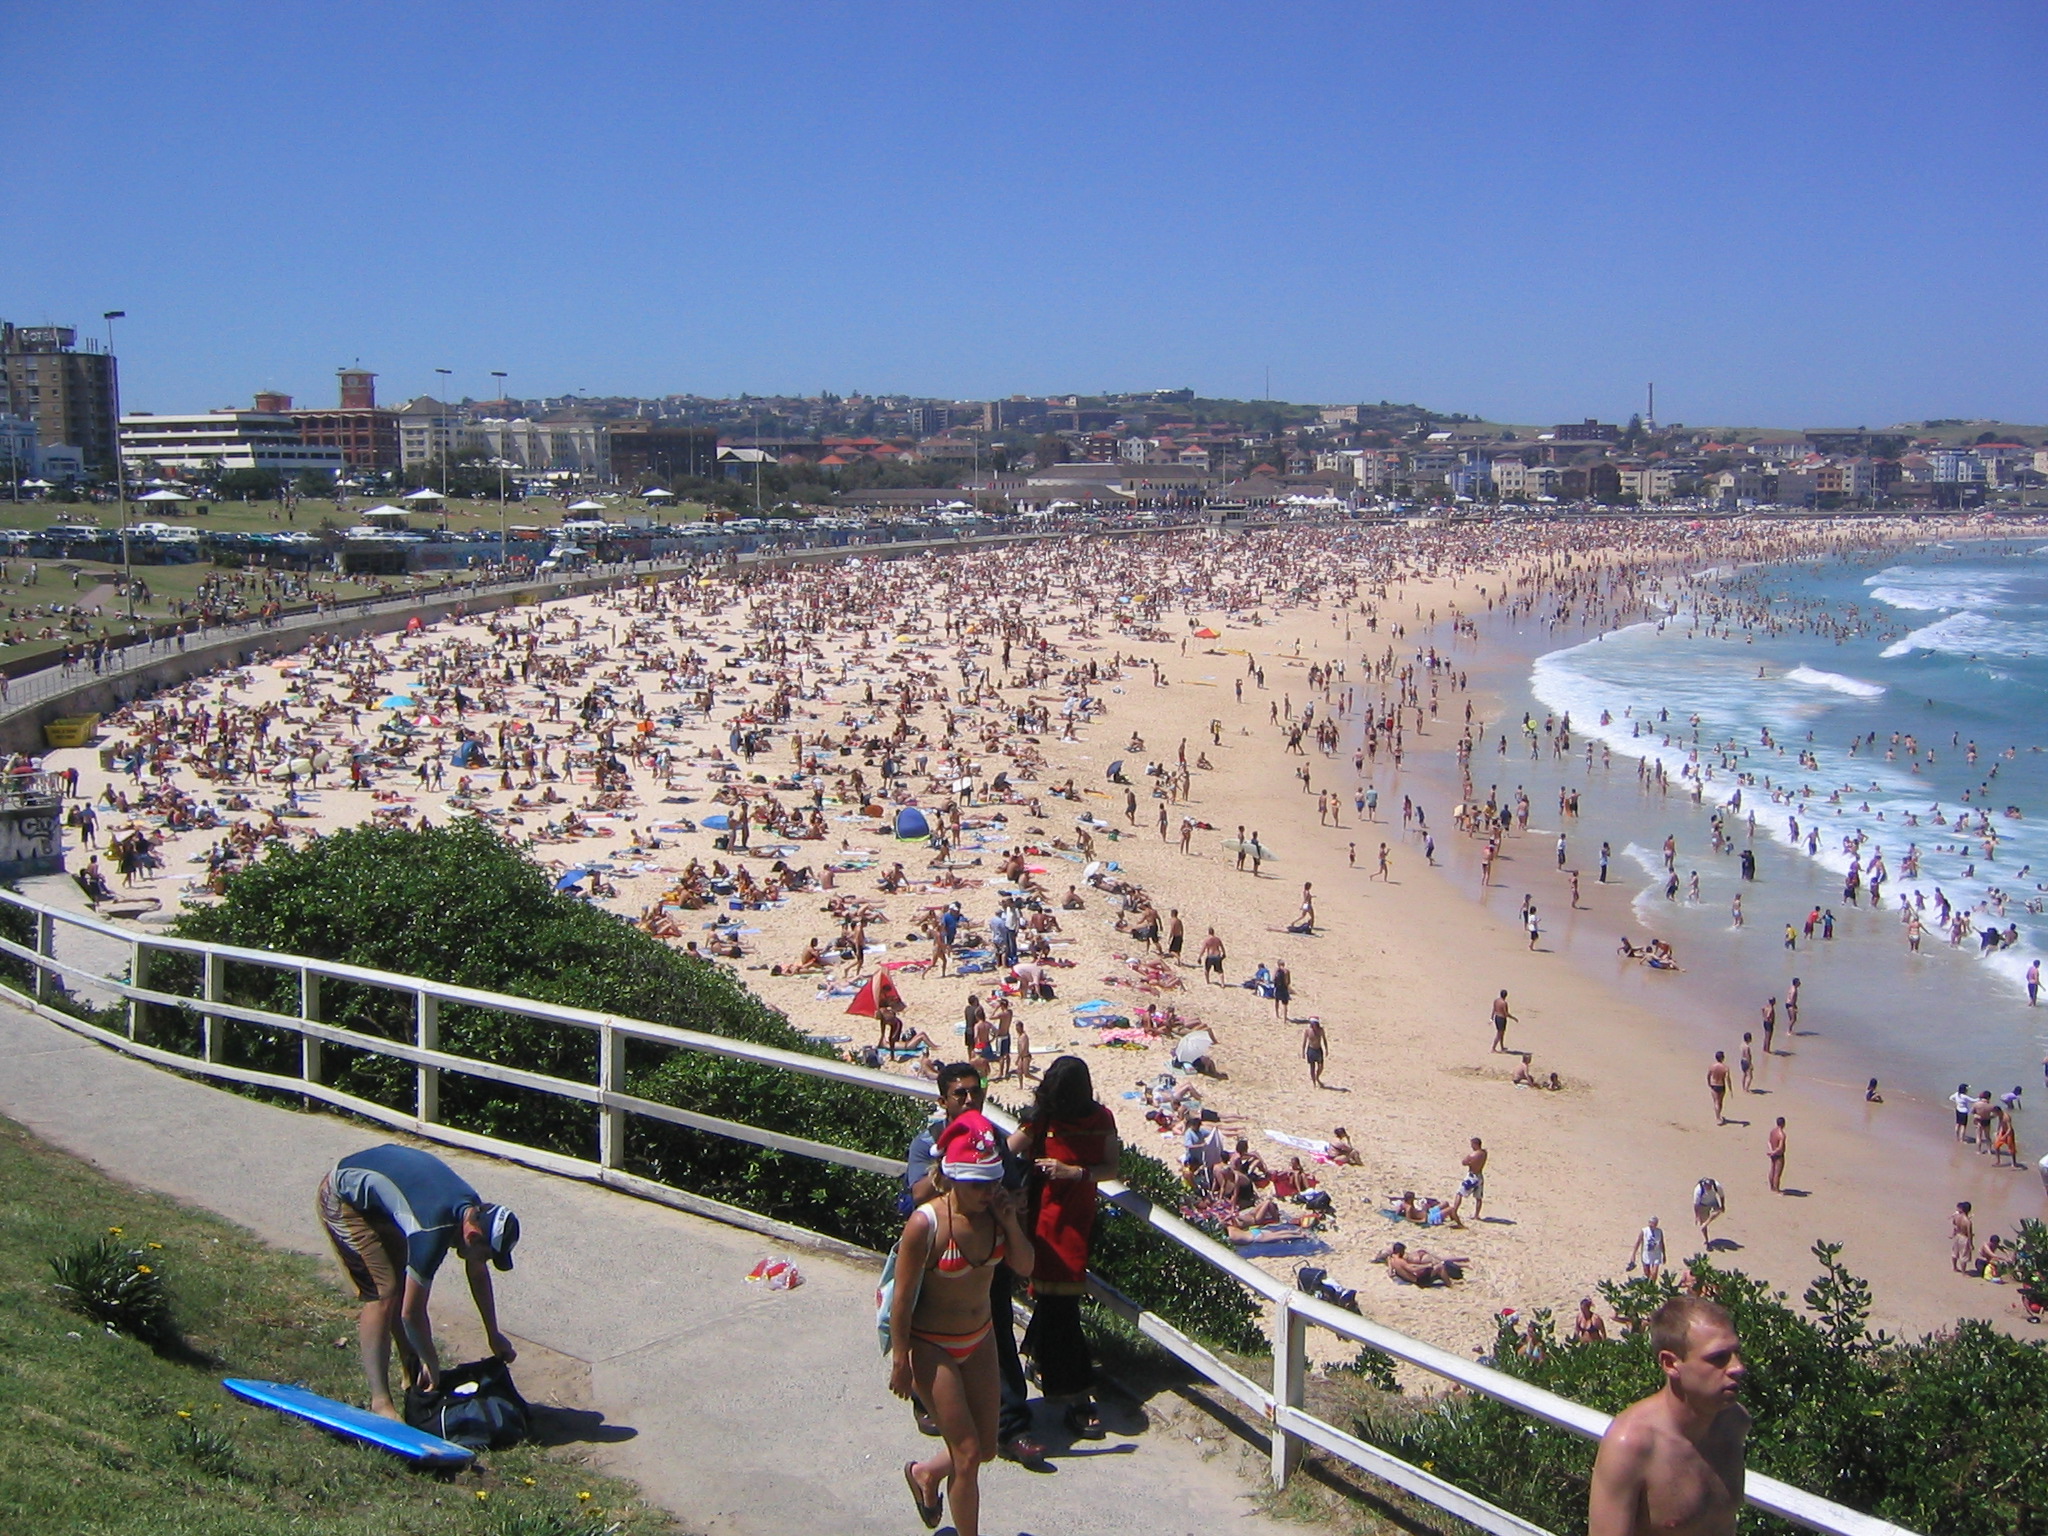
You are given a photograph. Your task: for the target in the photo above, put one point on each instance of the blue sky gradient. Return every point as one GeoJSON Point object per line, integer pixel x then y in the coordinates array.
{"type": "Point", "coordinates": [1796, 214]}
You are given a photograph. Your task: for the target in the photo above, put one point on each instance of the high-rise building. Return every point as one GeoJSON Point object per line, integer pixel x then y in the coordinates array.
{"type": "Point", "coordinates": [367, 436]}
{"type": "Point", "coordinates": [67, 392]}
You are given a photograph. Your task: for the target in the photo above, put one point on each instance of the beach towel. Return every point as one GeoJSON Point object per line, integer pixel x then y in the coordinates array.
{"type": "Point", "coordinates": [1279, 1243]}
{"type": "Point", "coordinates": [1300, 1143]}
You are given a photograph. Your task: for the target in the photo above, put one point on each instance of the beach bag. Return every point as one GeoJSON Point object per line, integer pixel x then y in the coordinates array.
{"type": "Point", "coordinates": [885, 1297]}
{"type": "Point", "coordinates": [477, 1407]}
{"type": "Point", "coordinates": [1316, 1199]}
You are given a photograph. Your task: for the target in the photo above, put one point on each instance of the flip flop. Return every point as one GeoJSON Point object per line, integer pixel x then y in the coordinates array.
{"type": "Point", "coordinates": [928, 1513]}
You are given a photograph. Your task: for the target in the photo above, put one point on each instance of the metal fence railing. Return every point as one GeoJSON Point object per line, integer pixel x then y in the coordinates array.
{"type": "Point", "coordinates": [109, 968]}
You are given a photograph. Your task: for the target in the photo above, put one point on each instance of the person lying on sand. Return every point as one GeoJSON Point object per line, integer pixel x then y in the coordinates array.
{"type": "Point", "coordinates": [1419, 1266]}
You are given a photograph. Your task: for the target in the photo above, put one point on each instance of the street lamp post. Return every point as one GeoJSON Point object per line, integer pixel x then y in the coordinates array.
{"type": "Point", "coordinates": [120, 467]}
{"type": "Point", "coordinates": [447, 439]}
{"type": "Point", "coordinates": [504, 540]}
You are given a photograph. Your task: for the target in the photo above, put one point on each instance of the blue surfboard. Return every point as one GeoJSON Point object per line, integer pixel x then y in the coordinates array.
{"type": "Point", "coordinates": [352, 1423]}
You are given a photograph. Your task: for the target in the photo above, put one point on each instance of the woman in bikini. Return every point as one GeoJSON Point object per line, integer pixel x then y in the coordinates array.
{"type": "Point", "coordinates": [942, 1336]}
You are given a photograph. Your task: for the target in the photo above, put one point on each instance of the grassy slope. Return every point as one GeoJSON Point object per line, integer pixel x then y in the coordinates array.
{"type": "Point", "coordinates": [91, 1425]}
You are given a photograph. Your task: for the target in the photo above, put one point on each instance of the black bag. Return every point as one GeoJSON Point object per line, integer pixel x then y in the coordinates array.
{"type": "Point", "coordinates": [1315, 1199]}
{"type": "Point", "coordinates": [1311, 1281]}
{"type": "Point", "coordinates": [477, 1407]}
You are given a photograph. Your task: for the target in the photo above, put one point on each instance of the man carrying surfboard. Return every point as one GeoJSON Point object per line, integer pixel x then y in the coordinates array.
{"type": "Point", "coordinates": [393, 1213]}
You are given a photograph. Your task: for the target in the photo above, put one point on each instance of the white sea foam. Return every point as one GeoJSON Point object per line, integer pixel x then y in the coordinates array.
{"type": "Point", "coordinates": [1973, 634]}
{"type": "Point", "coordinates": [1939, 589]}
{"type": "Point", "coordinates": [1855, 687]}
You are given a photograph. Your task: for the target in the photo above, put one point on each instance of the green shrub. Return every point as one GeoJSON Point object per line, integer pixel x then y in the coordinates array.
{"type": "Point", "coordinates": [117, 1287]}
{"type": "Point", "coordinates": [210, 1450]}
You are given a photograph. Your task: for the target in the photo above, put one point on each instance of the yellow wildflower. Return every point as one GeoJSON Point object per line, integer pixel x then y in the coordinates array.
{"type": "Point", "coordinates": [144, 1269]}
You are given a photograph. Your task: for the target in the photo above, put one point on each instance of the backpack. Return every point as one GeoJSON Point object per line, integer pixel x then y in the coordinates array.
{"type": "Point", "coordinates": [477, 1407]}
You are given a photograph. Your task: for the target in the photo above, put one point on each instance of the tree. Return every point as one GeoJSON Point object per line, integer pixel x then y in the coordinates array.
{"type": "Point", "coordinates": [248, 484]}
{"type": "Point", "coordinates": [315, 482]}
{"type": "Point", "coordinates": [1051, 449]}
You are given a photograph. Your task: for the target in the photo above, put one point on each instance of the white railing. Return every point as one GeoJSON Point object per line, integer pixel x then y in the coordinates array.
{"type": "Point", "coordinates": [70, 964]}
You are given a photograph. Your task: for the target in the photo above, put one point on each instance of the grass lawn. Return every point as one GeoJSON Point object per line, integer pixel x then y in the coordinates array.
{"type": "Point", "coordinates": [271, 517]}
{"type": "Point", "coordinates": [102, 1434]}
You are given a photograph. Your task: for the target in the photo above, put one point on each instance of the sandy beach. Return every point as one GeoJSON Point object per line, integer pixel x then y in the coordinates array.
{"type": "Point", "coordinates": [984, 661]}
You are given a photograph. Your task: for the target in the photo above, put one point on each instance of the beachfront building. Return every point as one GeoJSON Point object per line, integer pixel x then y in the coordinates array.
{"type": "Point", "coordinates": [427, 430]}
{"type": "Point", "coordinates": [66, 389]}
{"type": "Point", "coordinates": [366, 434]}
{"type": "Point", "coordinates": [211, 441]}
{"type": "Point", "coordinates": [563, 446]}
{"type": "Point", "coordinates": [18, 460]}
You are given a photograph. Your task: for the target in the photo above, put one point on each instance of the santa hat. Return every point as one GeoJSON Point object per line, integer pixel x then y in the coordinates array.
{"type": "Point", "coordinates": [969, 1151]}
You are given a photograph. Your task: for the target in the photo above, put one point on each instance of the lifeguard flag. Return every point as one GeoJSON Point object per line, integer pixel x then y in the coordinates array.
{"type": "Point", "coordinates": [877, 989]}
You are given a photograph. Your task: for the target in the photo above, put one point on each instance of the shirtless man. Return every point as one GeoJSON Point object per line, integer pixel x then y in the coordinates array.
{"type": "Point", "coordinates": [1212, 959]}
{"type": "Point", "coordinates": [1774, 1148]}
{"type": "Point", "coordinates": [1962, 1240]}
{"type": "Point", "coordinates": [1674, 1461]}
{"type": "Point", "coordinates": [1473, 1184]}
{"type": "Point", "coordinates": [1717, 1085]}
{"type": "Point", "coordinates": [1315, 1047]}
{"type": "Point", "coordinates": [1501, 1019]}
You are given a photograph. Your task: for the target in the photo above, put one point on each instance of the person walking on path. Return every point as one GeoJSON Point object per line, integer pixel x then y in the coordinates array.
{"type": "Point", "coordinates": [393, 1214]}
{"type": "Point", "coordinates": [1072, 1142]}
{"type": "Point", "coordinates": [962, 1089]}
{"type": "Point", "coordinates": [1501, 1019]}
{"type": "Point", "coordinates": [941, 1333]}
{"type": "Point", "coordinates": [1315, 1047]}
{"type": "Point", "coordinates": [1675, 1460]}
{"type": "Point", "coordinates": [1709, 1201]}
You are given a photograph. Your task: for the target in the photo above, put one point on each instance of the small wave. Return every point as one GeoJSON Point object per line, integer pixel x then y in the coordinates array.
{"type": "Point", "coordinates": [1922, 590]}
{"type": "Point", "coordinates": [1853, 686]}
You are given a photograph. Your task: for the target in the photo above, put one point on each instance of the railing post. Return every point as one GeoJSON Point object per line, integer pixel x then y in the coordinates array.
{"type": "Point", "coordinates": [611, 1078]}
{"type": "Point", "coordinates": [1290, 1372]}
{"type": "Point", "coordinates": [309, 1010]}
{"type": "Point", "coordinates": [427, 1036]}
{"type": "Point", "coordinates": [46, 947]}
{"type": "Point", "coordinates": [211, 1045]}
{"type": "Point", "coordinates": [138, 975]}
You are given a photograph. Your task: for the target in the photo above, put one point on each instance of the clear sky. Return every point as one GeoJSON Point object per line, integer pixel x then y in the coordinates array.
{"type": "Point", "coordinates": [1786, 213]}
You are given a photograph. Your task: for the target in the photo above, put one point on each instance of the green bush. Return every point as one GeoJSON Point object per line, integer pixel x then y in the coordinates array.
{"type": "Point", "coordinates": [1945, 1434]}
{"type": "Point", "coordinates": [117, 1287]}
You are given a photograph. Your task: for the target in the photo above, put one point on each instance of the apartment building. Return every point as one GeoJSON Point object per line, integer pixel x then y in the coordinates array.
{"type": "Point", "coordinates": [67, 390]}
{"type": "Point", "coordinates": [366, 435]}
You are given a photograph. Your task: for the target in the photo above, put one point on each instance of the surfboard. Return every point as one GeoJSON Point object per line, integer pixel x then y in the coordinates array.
{"type": "Point", "coordinates": [358, 1424]}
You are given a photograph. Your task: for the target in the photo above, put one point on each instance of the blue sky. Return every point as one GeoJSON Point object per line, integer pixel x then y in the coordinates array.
{"type": "Point", "coordinates": [1795, 214]}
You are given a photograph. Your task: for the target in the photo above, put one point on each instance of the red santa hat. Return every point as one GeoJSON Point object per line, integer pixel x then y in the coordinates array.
{"type": "Point", "coordinates": [969, 1149]}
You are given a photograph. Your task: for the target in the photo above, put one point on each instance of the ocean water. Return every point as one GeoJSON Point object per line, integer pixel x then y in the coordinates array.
{"type": "Point", "coordinates": [1825, 712]}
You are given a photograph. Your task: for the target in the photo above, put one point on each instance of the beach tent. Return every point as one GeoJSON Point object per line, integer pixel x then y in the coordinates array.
{"type": "Point", "coordinates": [468, 754]}
{"type": "Point", "coordinates": [1207, 634]}
{"type": "Point", "coordinates": [424, 495]}
{"type": "Point", "coordinates": [586, 505]}
{"type": "Point", "coordinates": [570, 881]}
{"type": "Point", "coordinates": [878, 989]}
{"type": "Point", "coordinates": [163, 496]}
{"type": "Point", "coordinates": [657, 494]}
{"type": "Point", "coordinates": [911, 824]}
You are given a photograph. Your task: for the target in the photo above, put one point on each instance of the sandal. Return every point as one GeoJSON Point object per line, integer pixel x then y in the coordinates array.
{"type": "Point", "coordinates": [928, 1513]}
{"type": "Point", "coordinates": [1082, 1421]}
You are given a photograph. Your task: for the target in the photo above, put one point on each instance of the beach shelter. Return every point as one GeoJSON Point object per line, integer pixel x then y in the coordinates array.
{"type": "Point", "coordinates": [1192, 1047]}
{"type": "Point", "coordinates": [467, 754]}
{"type": "Point", "coordinates": [911, 824]}
{"type": "Point", "coordinates": [165, 495]}
{"type": "Point", "coordinates": [658, 493]}
{"type": "Point", "coordinates": [1115, 770]}
{"type": "Point", "coordinates": [877, 990]}
{"type": "Point", "coordinates": [423, 495]}
{"type": "Point", "coordinates": [1207, 634]}
{"type": "Point", "coordinates": [397, 701]}
{"type": "Point", "coordinates": [570, 880]}
{"type": "Point", "coordinates": [586, 505]}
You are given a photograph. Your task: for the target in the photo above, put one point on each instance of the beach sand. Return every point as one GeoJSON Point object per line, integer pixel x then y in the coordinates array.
{"type": "Point", "coordinates": [1401, 973]}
